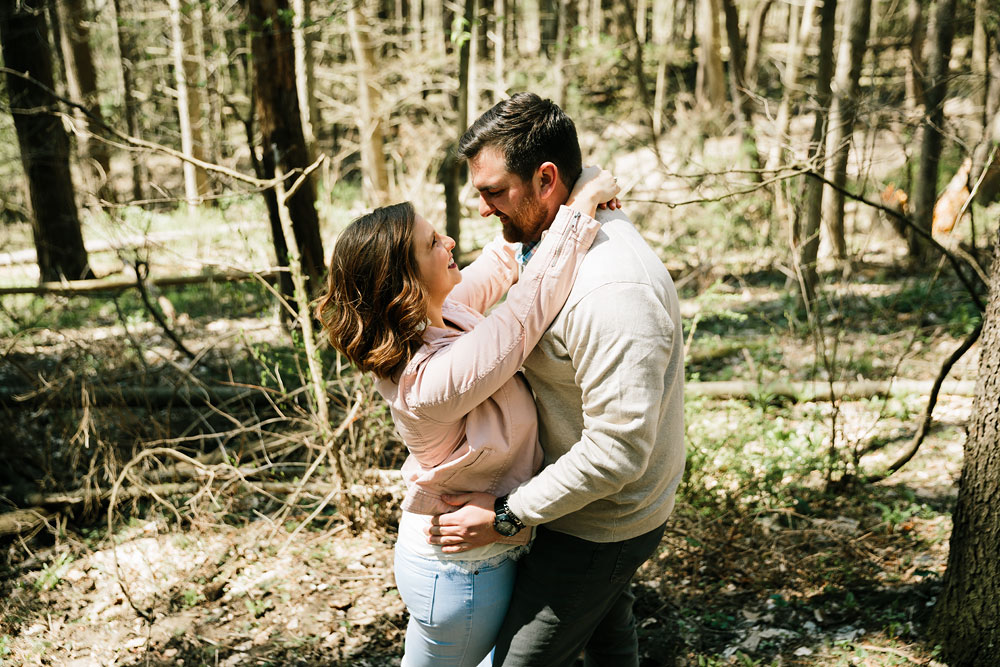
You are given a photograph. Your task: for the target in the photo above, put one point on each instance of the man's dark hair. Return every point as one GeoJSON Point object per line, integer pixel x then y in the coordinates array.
{"type": "Point", "coordinates": [527, 131]}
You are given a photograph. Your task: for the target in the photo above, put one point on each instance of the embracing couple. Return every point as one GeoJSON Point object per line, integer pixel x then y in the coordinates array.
{"type": "Point", "coordinates": [546, 437]}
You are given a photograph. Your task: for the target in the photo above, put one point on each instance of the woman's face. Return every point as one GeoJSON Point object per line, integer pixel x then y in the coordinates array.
{"type": "Point", "coordinates": [438, 271]}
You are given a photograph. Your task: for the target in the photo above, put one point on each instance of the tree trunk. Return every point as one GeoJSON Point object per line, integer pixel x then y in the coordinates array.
{"type": "Point", "coordinates": [754, 31]}
{"type": "Point", "coordinates": [980, 60]}
{"type": "Point", "coordinates": [563, 37]}
{"type": "Point", "coordinates": [742, 106]}
{"type": "Point", "coordinates": [81, 81]}
{"type": "Point", "coordinates": [843, 110]}
{"type": "Point", "coordinates": [798, 39]}
{"type": "Point", "coordinates": [915, 59]}
{"type": "Point", "coordinates": [925, 187]}
{"type": "Point", "coordinates": [304, 72]}
{"type": "Point", "coordinates": [128, 57]}
{"type": "Point", "coordinates": [663, 34]}
{"type": "Point", "coordinates": [627, 18]}
{"type": "Point", "coordinates": [375, 176]}
{"type": "Point", "coordinates": [710, 88]}
{"type": "Point", "coordinates": [434, 26]}
{"type": "Point", "coordinates": [499, 50]}
{"type": "Point", "coordinates": [277, 109]}
{"type": "Point", "coordinates": [188, 104]}
{"type": "Point", "coordinates": [43, 142]}
{"type": "Point", "coordinates": [451, 168]}
{"type": "Point", "coordinates": [531, 28]}
{"type": "Point", "coordinates": [990, 186]}
{"type": "Point", "coordinates": [805, 237]}
{"type": "Point", "coordinates": [966, 620]}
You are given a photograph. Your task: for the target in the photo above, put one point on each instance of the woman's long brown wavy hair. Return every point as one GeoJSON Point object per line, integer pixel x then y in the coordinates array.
{"type": "Point", "coordinates": [375, 309]}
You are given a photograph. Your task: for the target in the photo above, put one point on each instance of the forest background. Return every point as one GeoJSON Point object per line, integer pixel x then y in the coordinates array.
{"type": "Point", "coordinates": [191, 477]}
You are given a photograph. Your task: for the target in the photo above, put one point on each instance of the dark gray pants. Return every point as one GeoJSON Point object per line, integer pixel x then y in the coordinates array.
{"type": "Point", "coordinates": [572, 595]}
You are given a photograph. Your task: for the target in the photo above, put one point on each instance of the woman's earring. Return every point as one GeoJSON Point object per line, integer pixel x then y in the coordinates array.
{"type": "Point", "coordinates": [422, 325]}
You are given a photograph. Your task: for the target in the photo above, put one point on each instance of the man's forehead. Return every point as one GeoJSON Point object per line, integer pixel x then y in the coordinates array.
{"type": "Point", "coordinates": [489, 169]}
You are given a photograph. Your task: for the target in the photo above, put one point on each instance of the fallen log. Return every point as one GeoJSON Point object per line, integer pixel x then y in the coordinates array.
{"type": "Point", "coordinates": [807, 392]}
{"type": "Point", "coordinates": [114, 284]}
{"type": "Point", "coordinates": [133, 396]}
{"type": "Point", "coordinates": [20, 521]}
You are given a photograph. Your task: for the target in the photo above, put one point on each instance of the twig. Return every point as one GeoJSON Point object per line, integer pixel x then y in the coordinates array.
{"type": "Point", "coordinates": [926, 420]}
{"type": "Point", "coordinates": [141, 273]}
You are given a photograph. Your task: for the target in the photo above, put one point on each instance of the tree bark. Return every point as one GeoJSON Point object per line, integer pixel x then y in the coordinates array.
{"type": "Point", "coordinates": [915, 60]}
{"type": "Point", "coordinates": [754, 30]}
{"type": "Point", "coordinates": [450, 173]}
{"type": "Point", "coordinates": [304, 71]}
{"type": "Point", "coordinates": [925, 187]}
{"type": "Point", "coordinates": [966, 620]}
{"type": "Point", "coordinates": [499, 50]}
{"type": "Point", "coordinates": [805, 237]}
{"type": "Point", "coordinates": [277, 109]}
{"type": "Point", "coordinates": [843, 110]}
{"type": "Point", "coordinates": [375, 177]}
{"type": "Point", "coordinates": [563, 37]}
{"type": "Point", "coordinates": [980, 60]}
{"type": "Point", "coordinates": [531, 28]}
{"type": "Point", "coordinates": [187, 79]}
{"type": "Point", "coordinates": [710, 88]}
{"type": "Point", "coordinates": [128, 57]}
{"type": "Point", "coordinates": [81, 81]}
{"type": "Point", "coordinates": [43, 142]}
{"type": "Point", "coordinates": [663, 33]}
{"type": "Point", "coordinates": [742, 106]}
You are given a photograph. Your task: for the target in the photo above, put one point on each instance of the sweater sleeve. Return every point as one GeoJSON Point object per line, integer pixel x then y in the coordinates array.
{"type": "Point", "coordinates": [486, 279]}
{"type": "Point", "coordinates": [619, 338]}
{"type": "Point", "coordinates": [455, 379]}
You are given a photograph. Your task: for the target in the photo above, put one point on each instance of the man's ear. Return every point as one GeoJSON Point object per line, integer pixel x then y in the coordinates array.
{"type": "Point", "coordinates": [547, 178]}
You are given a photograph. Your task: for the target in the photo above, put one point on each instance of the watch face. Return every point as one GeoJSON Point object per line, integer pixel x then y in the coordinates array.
{"type": "Point", "coordinates": [505, 528]}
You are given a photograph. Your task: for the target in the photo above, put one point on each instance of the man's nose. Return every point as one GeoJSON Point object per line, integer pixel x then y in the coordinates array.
{"type": "Point", "coordinates": [485, 208]}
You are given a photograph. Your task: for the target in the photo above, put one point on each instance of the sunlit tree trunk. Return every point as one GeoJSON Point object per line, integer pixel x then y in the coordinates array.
{"type": "Point", "coordinates": [499, 50]}
{"type": "Point", "coordinates": [375, 176]}
{"type": "Point", "coordinates": [925, 187]}
{"type": "Point", "coordinates": [798, 40]}
{"type": "Point", "coordinates": [966, 618]}
{"type": "Point", "coordinates": [304, 71]}
{"type": "Point", "coordinates": [434, 28]}
{"type": "Point", "coordinates": [563, 38]}
{"type": "Point", "coordinates": [188, 104]}
{"type": "Point", "coordinates": [742, 106]}
{"type": "Point", "coordinates": [282, 142]}
{"type": "Point", "coordinates": [843, 109]}
{"type": "Point", "coordinates": [641, 10]}
{"type": "Point", "coordinates": [754, 30]}
{"type": "Point", "coordinates": [915, 61]}
{"type": "Point", "coordinates": [473, 28]}
{"type": "Point", "coordinates": [710, 89]}
{"type": "Point", "coordinates": [450, 173]}
{"type": "Point", "coordinates": [980, 59]}
{"type": "Point", "coordinates": [805, 232]}
{"type": "Point", "coordinates": [531, 28]}
{"type": "Point", "coordinates": [989, 188]}
{"type": "Point", "coordinates": [125, 39]}
{"type": "Point", "coordinates": [662, 33]}
{"type": "Point", "coordinates": [42, 140]}
{"type": "Point", "coordinates": [81, 80]}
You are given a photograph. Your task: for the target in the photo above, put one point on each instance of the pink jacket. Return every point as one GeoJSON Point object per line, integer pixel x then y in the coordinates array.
{"type": "Point", "coordinates": [465, 413]}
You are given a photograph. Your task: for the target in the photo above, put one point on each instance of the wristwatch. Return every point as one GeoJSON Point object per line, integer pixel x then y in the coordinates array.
{"type": "Point", "coordinates": [506, 522]}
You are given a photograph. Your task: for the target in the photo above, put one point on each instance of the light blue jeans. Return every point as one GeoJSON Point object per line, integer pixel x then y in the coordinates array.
{"type": "Point", "coordinates": [456, 607]}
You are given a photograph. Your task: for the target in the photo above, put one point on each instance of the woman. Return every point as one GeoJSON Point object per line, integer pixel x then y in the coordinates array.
{"type": "Point", "coordinates": [397, 306]}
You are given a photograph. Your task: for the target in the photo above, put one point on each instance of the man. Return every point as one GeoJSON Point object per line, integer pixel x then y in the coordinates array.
{"type": "Point", "coordinates": [608, 381]}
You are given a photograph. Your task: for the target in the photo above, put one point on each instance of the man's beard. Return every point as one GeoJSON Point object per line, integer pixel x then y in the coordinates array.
{"type": "Point", "coordinates": [525, 222]}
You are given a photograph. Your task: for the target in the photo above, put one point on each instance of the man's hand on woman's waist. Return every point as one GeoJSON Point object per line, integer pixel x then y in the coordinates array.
{"type": "Point", "coordinates": [468, 527]}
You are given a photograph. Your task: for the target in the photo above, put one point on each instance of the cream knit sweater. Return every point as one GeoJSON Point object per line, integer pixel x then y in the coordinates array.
{"type": "Point", "coordinates": [608, 379]}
